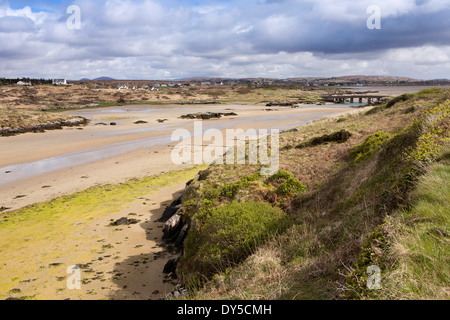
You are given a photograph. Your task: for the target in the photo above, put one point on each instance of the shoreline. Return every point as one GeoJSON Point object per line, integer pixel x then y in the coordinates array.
{"type": "Point", "coordinates": [114, 260]}
{"type": "Point", "coordinates": [113, 169]}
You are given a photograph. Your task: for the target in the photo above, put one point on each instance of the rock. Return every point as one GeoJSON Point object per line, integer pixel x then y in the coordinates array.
{"type": "Point", "coordinates": [124, 222]}
{"type": "Point", "coordinates": [141, 122]}
{"type": "Point", "coordinates": [171, 266]}
{"type": "Point", "coordinates": [337, 137]}
{"type": "Point", "coordinates": [172, 227]}
{"type": "Point", "coordinates": [55, 264]}
{"type": "Point", "coordinates": [203, 175]}
{"type": "Point", "coordinates": [42, 127]}
{"type": "Point", "coordinates": [162, 120]}
{"type": "Point", "coordinates": [71, 122]}
{"type": "Point", "coordinates": [280, 104]}
{"type": "Point", "coordinates": [15, 291]}
{"type": "Point", "coordinates": [101, 124]}
{"type": "Point", "coordinates": [113, 124]}
{"type": "Point", "coordinates": [182, 236]}
{"type": "Point", "coordinates": [208, 115]}
{"type": "Point", "coordinates": [170, 211]}
{"type": "Point", "coordinates": [292, 130]}
{"type": "Point", "coordinates": [179, 292]}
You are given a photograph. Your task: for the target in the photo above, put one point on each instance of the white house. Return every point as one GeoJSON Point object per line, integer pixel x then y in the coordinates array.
{"type": "Point", "coordinates": [59, 82]}
{"type": "Point", "coordinates": [21, 83]}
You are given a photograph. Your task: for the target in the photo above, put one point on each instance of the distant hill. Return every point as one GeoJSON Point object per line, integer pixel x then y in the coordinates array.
{"type": "Point", "coordinates": [98, 79]}
{"type": "Point", "coordinates": [359, 78]}
{"type": "Point", "coordinates": [439, 80]}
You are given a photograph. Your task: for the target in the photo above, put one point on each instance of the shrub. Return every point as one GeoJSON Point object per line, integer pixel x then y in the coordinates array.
{"type": "Point", "coordinates": [228, 236]}
{"type": "Point", "coordinates": [375, 110]}
{"type": "Point", "coordinates": [252, 177]}
{"type": "Point", "coordinates": [402, 98]}
{"type": "Point", "coordinates": [230, 190]}
{"type": "Point", "coordinates": [369, 147]}
{"type": "Point", "coordinates": [290, 186]}
{"type": "Point", "coordinates": [281, 174]}
{"type": "Point", "coordinates": [435, 133]}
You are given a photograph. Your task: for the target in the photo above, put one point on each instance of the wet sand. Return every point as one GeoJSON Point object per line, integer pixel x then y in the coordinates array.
{"type": "Point", "coordinates": [39, 167]}
{"type": "Point", "coordinates": [130, 265]}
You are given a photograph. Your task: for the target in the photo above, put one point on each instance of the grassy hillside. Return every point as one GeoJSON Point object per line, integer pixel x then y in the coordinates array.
{"type": "Point", "coordinates": [365, 190]}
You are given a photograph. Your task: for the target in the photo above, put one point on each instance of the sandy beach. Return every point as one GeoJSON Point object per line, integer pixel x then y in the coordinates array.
{"type": "Point", "coordinates": [121, 263]}
{"type": "Point", "coordinates": [109, 165]}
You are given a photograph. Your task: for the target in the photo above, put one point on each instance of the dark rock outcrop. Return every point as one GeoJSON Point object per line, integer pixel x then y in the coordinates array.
{"type": "Point", "coordinates": [171, 211]}
{"type": "Point", "coordinates": [336, 137]}
{"type": "Point", "coordinates": [207, 116]}
{"type": "Point", "coordinates": [171, 266]}
{"type": "Point", "coordinates": [75, 122]}
{"type": "Point", "coordinates": [281, 104]}
{"type": "Point", "coordinates": [124, 222]}
{"type": "Point", "coordinates": [172, 227]}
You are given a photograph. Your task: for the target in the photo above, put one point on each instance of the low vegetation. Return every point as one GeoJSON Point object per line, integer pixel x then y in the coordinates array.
{"type": "Point", "coordinates": [16, 118]}
{"type": "Point", "coordinates": [226, 236]}
{"type": "Point", "coordinates": [378, 198]}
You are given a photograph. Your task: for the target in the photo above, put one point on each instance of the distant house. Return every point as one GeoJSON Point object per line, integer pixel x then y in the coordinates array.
{"type": "Point", "coordinates": [22, 83]}
{"type": "Point", "coordinates": [59, 82]}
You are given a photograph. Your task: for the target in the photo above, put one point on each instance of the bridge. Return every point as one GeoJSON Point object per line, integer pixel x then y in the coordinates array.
{"type": "Point", "coordinates": [342, 98]}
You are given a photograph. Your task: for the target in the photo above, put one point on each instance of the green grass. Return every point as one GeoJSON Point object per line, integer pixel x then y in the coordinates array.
{"type": "Point", "coordinates": [421, 241]}
{"type": "Point", "coordinates": [229, 235]}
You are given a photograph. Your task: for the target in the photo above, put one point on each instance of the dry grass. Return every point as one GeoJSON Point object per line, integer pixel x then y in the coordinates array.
{"type": "Point", "coordinates": [13, 117]}
{"type": "Point", "coordinates": [47, 96]}
{"type": "Point", "coordinates": [346, 202]}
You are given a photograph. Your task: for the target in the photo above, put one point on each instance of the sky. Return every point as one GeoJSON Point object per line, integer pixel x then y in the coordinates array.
{"type": "Point", "coordinates": [176, 39]}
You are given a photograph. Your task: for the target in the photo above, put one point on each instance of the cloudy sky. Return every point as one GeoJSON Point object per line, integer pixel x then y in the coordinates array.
{"type": "Point", "coordinates": [172, 39]}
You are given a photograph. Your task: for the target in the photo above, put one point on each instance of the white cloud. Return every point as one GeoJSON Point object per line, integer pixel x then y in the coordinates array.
{"type": "Point", "coordinates": [254, 38]}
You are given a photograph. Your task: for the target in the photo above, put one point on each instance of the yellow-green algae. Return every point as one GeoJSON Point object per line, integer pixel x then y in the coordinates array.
{"type": "Point", "coordinates": [27, 234]}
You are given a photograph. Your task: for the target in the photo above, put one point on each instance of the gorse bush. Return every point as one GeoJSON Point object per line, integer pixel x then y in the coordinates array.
{"type": "Point", "coordinates": [281, 174]}
{"type": "Point", "coordinates": [402, 98]}
{"type": "Point", "coordinates": [369, 147]}
{"type": "Point", "coordinates": [434, 134]}
{"type": "Point", "coordinates": [251, 177]}
{"type": "Point", "coordinates": [286, 183]}
{"type": "Point", "coordinates": [291, 186]}
{"type": "Point", "coordinates": [228, 236]}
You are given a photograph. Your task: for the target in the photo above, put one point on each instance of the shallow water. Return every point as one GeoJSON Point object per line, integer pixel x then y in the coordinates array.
{"type": "Point", "coordinates": [18, 172]}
